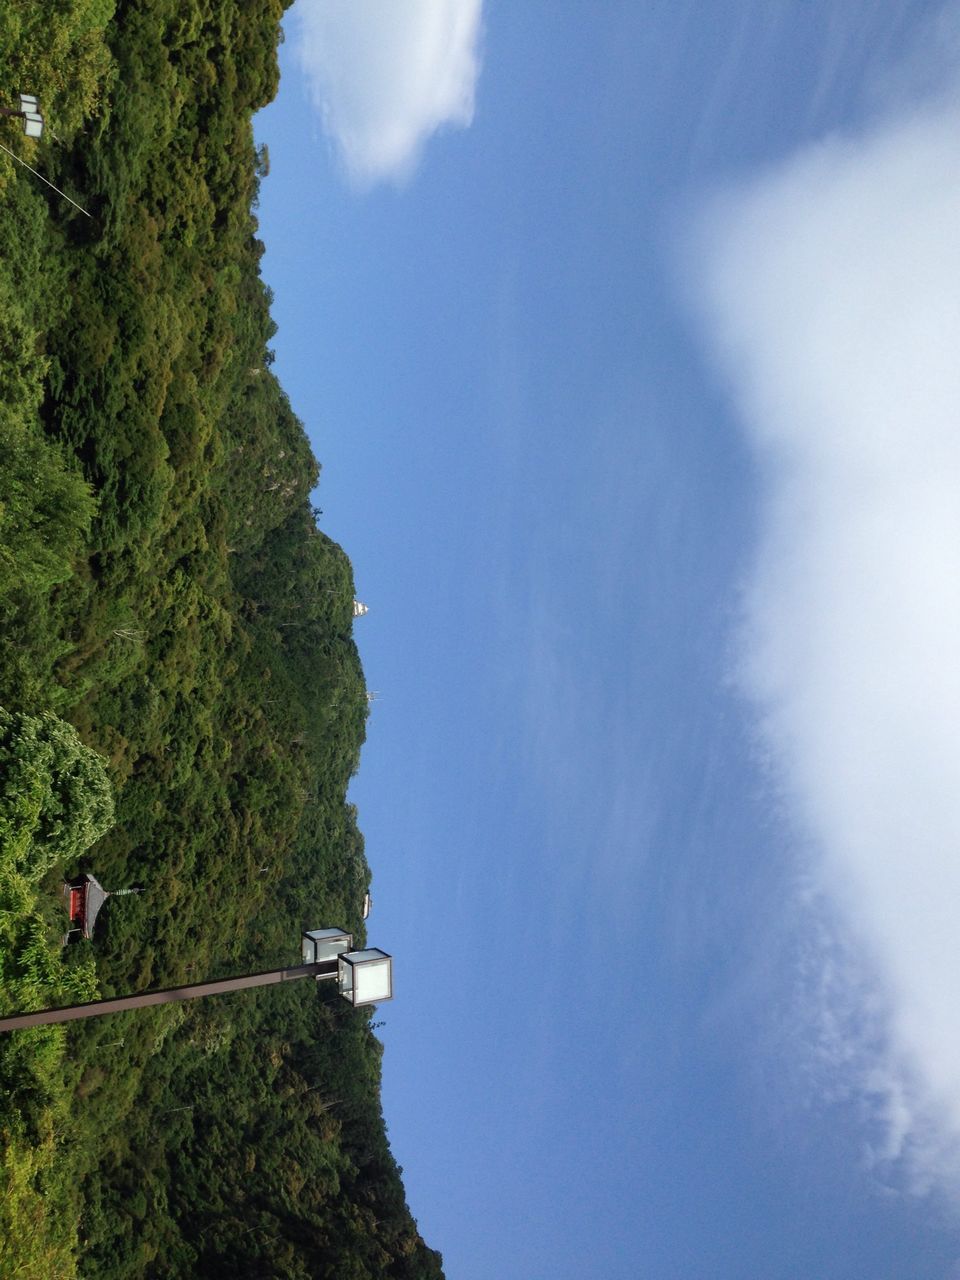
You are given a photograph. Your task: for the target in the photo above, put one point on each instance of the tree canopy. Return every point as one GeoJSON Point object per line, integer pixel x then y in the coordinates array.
{"type": "Point", "coordinates": [162, 722]}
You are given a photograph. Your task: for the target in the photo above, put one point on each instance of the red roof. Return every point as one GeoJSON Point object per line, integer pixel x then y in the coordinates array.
{"type": "Point", "coordinates": [85, 896]}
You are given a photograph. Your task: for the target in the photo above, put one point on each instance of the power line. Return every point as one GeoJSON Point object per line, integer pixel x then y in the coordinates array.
{"type": "Point", "coordinates": [46, 180]}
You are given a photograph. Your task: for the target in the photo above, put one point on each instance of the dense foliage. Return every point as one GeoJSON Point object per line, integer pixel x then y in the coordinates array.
{"type": "Point", "coordinates": [182, 701]}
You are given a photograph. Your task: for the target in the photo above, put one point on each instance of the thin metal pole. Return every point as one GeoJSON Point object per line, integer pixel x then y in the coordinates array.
{"type": "Point", "coordinates": [94, 1008]}
{"type": "Point", "coordinates": [46, 180]}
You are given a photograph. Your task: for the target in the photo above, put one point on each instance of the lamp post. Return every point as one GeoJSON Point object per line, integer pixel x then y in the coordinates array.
{"type": "Point", "coordinates": [363, 977]}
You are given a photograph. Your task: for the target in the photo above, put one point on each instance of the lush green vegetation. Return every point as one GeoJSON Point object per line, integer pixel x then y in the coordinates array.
{"type": "Point", "coordinates": [182, 701]}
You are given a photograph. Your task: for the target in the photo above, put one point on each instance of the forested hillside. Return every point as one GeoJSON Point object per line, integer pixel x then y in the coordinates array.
{"type": "Point", "coordinates": [181, 700]}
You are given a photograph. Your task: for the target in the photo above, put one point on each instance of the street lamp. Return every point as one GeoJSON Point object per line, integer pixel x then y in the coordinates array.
{"type": "Point", "coordinates": [363, 977]}
{"type": "Point", "coordinates": [32, 119]}
{"type": "Point", "coordinates": [29, 112]}
{"type": "Point", "coordinates": [317, 946]}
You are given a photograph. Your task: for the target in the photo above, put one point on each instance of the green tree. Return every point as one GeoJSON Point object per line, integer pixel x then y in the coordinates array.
{"type": "Point", "coordinates": [55, 798]}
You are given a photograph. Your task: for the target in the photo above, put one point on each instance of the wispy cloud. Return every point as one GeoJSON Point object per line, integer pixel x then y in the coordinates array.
{"type": "Point", "coordinates": [829, 289]}
{"type": "Point", "coordinates": [386, 75]}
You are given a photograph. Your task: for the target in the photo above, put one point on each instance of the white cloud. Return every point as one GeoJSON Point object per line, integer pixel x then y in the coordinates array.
{"type": "Point", "coordinates": [830, 294]}
{"type": "Point", "coordinates": [386, 74]}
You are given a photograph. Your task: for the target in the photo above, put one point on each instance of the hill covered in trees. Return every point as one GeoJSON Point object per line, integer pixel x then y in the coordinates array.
{"type": "Point", "coordinates": [181, 700]}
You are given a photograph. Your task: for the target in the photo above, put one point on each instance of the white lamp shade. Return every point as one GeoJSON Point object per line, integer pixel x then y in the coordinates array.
{"type": "Point", "coordinates": [319, 945]}
{"type": "Point", "coordinates": [33, 124]}
{"type": "Point", "coordinates": [366, 977]}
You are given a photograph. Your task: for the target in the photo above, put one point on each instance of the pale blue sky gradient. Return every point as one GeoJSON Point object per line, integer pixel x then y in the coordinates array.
{"type": "Point", "coordinates": [581, 863]}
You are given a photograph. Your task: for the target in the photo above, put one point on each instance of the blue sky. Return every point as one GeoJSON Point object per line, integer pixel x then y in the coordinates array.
{"type": "Point", "coordinates": [626, 337]}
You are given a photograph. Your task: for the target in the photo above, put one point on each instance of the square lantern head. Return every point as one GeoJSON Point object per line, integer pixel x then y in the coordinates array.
{"type": "Point", "coordinates": [319, 945]}
{"type": "Point", "coordinates": [365, 977]}
{"type": "Point", "coordinates": [33, 124]}
{"type": "Point", "coordinates": [29, 103]}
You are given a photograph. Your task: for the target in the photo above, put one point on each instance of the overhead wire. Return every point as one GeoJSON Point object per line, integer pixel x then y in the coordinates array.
{"type": "Point", "coordinates": [46, 180]}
